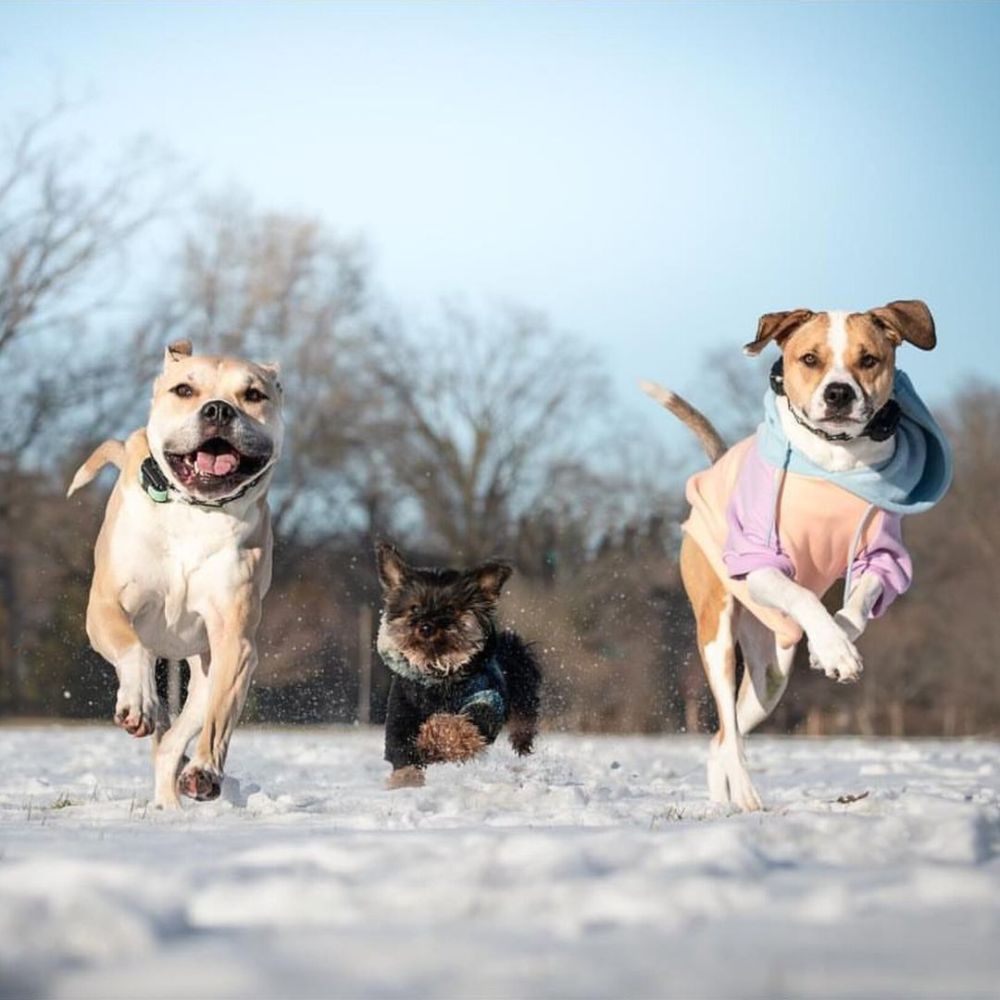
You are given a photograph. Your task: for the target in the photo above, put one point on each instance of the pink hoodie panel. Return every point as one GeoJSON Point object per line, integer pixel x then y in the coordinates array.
{"type": "Point", "coordinates": [732, 520]}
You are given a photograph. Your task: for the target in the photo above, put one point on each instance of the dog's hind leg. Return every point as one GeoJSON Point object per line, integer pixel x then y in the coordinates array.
{"type": "Point", "coordinates": [718, 657]}
{"type": "Point", "coordinates": [169, 754]}
{"type": "Point", "coordinates": [524, 681]}
{"type": "Point", "coordinates": [767, 667]}
{"type": "Point", "coordinates": [726, 761]}
{"type": "Point", "coordinates": [716, 613]}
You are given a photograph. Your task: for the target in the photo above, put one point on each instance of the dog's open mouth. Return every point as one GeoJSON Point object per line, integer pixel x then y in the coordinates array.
{"type": "Point", "coordinates": [213, 464]}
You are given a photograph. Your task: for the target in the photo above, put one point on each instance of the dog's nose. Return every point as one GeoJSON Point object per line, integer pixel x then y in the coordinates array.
{"type": "Point", "coordinates": [218, 412]}
{"type": "Point", "coordinates": [838, 394]}
{"type": "Point", "coordinates": [426, 630]}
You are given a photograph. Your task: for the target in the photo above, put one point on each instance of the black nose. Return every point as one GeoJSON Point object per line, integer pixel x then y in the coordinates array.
{"type": "Point", "coordinates": [218, 412]}
{"type": "Point", "coordinates": [838, 394]}
{"type": "Point", "coordinates": [426, 630]}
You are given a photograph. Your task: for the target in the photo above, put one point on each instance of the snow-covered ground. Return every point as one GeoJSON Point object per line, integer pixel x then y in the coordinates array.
{"type": "Point", "coordinates": [596, 868]}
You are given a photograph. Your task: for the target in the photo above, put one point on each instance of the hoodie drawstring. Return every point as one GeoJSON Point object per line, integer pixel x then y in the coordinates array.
{"type": "Point", "coordinates": [774, 539]}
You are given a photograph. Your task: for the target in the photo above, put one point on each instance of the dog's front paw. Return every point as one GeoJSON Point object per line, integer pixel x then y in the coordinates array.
{"type": "Point", "coordinates": [201, 783]}
{"type": "Point", "coordinates": [834, 653]}
{"type": "Point", "coordinates": [446, 738]}
{"type": "Point", "coordinates": [405, 777]}
{"type": "Point", "coordinates": [137, 711]}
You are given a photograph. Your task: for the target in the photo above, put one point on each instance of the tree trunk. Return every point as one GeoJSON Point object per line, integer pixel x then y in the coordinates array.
{"type": "Point", "coordinates": [949, 720]}
{"type": "Point", "coordinates": [11, 637]}
{"type": "Point", "coordinates": [364, 664]}
{"type": "Point", "coordinates": [691, 722]}
{"type": "Point", "coordinates": [897, 718]}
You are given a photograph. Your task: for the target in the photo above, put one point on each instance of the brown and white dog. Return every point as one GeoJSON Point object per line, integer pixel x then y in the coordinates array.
{"type": "Point", "coordinates": [183, 559]}
{"type": "Point", "coordinates": [838, 374]}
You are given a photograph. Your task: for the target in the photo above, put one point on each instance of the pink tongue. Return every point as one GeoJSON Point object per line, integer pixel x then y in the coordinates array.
{"type": "Point", "coordinates": [216, 465]}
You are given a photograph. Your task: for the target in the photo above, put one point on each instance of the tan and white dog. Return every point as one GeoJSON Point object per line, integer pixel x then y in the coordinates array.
{"type": "Point", "coordinates": [183, 559]}
{"type": "Point", "coordinates": [754, 578]}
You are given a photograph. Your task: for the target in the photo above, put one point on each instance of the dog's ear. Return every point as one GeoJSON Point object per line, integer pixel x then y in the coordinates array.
{"type": "Point", "coordinates": [776, 326]}
{"type": "Point", "coordinates": [273, 371]}
{"type": "Point", "coordinates": [909, 320]}
{"type": "Point", "coordinates": [491, 576]}
{"type": "Point", "coordinates": [177, 350]}
{"type": "Point", "coordinates": [392, 567]}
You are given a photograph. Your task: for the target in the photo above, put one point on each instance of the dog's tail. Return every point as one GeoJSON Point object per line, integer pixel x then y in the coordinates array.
{"type": "Point", "coordinates": [524, 681]}
{"type": "Point", "coordinates": [108, 453]}
{"type": "Point", "coordinates": [707, 435]}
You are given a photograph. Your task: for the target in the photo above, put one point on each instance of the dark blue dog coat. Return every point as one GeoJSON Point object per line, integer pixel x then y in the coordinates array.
{"type": "Point", "coordinates": [479, 691]}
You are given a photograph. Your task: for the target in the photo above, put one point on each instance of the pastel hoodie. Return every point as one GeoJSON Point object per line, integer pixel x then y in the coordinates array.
{"type": "Point", "coordinates": [765, 504]}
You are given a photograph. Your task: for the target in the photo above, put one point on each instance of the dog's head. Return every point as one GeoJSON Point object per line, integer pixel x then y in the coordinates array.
{"type": "Point", "coordinates": [215, 423]}
{"type": "Point", "coordinates": [838, 366]}
{"type": "Point", "coordinates": [437, 619]}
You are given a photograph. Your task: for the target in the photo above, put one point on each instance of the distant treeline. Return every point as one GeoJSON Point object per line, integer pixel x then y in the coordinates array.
{"type": "Point", "coordinates": [484, 433]}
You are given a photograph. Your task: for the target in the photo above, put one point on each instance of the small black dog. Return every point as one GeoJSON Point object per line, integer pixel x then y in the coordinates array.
{"type": "Point", "coordinates": [455, 679]}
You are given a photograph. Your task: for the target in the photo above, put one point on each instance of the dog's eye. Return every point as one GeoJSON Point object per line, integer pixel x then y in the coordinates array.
{"type": "Point", "coordinates": [183, 390]}
{"type": "Point", "coordinates": [809, 360]}
{"type": "Point", "coordinates": [254, 395]}
{"type": "Point", "coordinates": [868, 361]}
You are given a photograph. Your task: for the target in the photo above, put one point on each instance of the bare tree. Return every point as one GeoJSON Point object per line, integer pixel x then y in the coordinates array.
{"type": "Point", "coordinates": [66, 221]}
{"type": "Point", "coordinates": [731, 391]}
{"type": "Point", "coordinates": [286, 288]}
{"type": "Point", "coordinates": [484, 421]}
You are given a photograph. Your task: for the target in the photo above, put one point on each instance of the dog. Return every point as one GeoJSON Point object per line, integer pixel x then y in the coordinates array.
{"type": "Point", "coordinates": [183, 558]}
{"type": "Point", "coordinates": [456, 679]}
{"type": "Point", "coordinates": [845, 450]}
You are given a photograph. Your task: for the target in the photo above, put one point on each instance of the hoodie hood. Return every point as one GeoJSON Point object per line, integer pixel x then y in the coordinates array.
{"type": "Point", "coordinates": [913, 480]}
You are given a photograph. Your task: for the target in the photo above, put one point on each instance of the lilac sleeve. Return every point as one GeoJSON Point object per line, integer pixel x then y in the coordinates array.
{"type": "Point", "coordinates": [886, 556]}
{"type": "Point", "coordinates": [752, 540]}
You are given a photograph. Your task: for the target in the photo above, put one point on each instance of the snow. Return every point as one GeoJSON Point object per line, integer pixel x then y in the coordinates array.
{"type": "Point", "coordinates": [596, 868]}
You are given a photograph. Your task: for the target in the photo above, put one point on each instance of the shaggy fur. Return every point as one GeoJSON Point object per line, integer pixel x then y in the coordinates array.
{"type": "Point", "coordinates": [456, 679]}
{"type": "Point", "coordinates": [437, 619]}
{"type": "Point", "coordinates": [449, 739]}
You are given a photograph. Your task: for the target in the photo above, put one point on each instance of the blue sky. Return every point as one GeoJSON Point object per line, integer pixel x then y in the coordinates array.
{"type": "Point", "coordinates": [652, 176]}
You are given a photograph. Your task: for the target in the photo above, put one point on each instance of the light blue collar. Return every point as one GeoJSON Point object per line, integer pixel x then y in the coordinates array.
{"type": "Point", "coordinates": [913, 480]}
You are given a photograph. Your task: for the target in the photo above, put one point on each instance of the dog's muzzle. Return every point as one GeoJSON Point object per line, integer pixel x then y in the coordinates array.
{"type": "Point", "coordinates": [230, 452]}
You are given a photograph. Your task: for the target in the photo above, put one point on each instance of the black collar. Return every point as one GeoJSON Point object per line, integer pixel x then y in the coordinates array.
{"type": "Point", "coordinates": [881, 427]}
{"type": "Point", "coordinates": [158, 487]}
